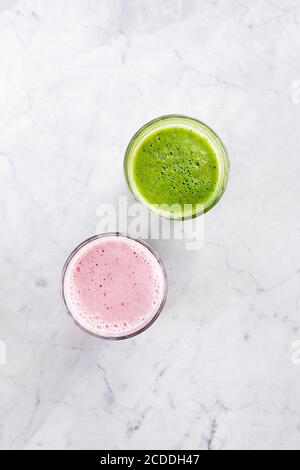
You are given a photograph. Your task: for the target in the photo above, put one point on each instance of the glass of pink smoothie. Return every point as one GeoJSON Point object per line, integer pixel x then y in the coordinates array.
{"type": "Point", "coordinates": [113, 286]}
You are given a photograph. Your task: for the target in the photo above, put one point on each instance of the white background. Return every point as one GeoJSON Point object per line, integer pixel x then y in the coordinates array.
{"type": "Point", "coordinates": [77, 79]}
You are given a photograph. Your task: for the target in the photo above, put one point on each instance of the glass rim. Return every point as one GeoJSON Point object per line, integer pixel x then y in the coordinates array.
{"type": "Point", "coordinates": [216, 144]}
{"type": "Point", "coordinates": [159, 309]}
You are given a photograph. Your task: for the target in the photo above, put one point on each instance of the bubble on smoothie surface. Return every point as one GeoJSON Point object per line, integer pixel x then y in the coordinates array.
{"type": "Point", "coordinates": [114, 286]}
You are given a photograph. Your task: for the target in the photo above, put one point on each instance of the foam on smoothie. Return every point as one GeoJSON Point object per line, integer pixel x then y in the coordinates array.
{"type": "Point", "coordinates": [175, 165]}
{"type": "Point", "coordinates": [113, 286]}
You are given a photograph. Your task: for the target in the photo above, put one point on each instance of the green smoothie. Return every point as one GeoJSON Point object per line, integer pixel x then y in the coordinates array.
{"type": "Point", "coordinates": [176, 166]}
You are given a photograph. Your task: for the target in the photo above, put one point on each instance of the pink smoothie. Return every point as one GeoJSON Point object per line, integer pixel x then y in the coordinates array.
{"type": "Point", "coordinates": [114, 286]}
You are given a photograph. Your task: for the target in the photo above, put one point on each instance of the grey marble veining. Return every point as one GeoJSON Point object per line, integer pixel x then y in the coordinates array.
{"type": "Point", "coordinates": [218, 369]}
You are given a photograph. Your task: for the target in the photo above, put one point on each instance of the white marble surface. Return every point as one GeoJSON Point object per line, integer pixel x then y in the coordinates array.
{"type": "Point", "coordinates": [77, 78]}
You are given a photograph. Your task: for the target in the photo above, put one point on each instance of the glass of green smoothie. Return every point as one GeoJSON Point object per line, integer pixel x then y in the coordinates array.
{"type": "Point", "coordinates": [177, 167]}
